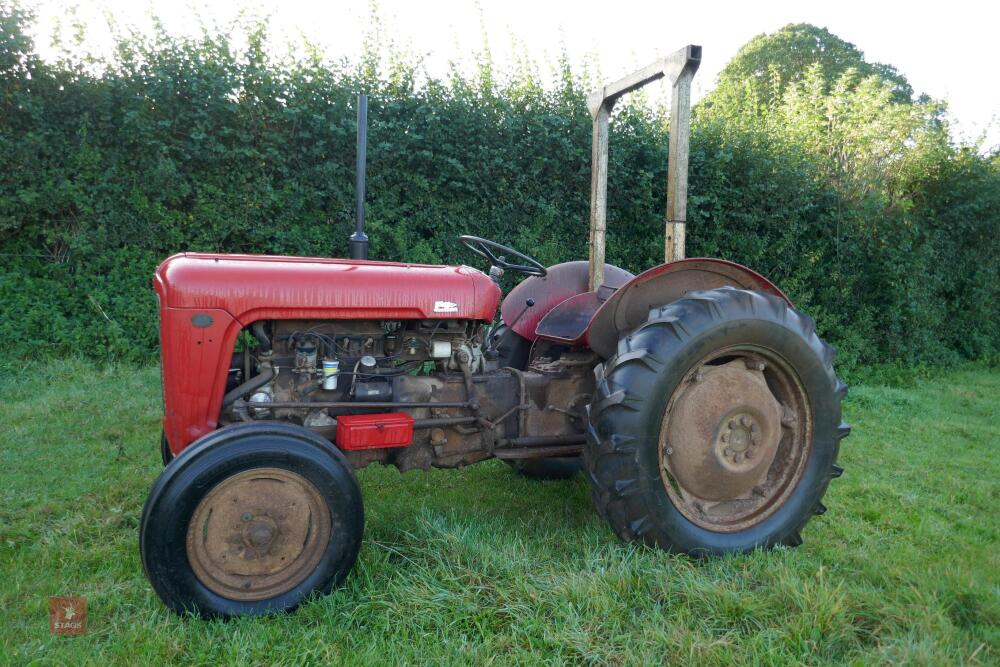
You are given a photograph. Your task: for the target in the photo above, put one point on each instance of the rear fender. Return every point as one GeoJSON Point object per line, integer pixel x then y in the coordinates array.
{"type": "Point", "coordinates": [629, 306]}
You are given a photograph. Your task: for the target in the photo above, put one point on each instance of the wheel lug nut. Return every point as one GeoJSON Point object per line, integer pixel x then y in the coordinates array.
{"type": "Point", "coordinates": [745, 421]}
{"type": "Point", "coordinates": [737, 457]}
{"type": "Point", "coordinates": [725, 437]}
{"type": "Point", "coordinates": [732, 424]}
{"type": "Point", "coordinates": [728, 452]}
{"type": "Point", "coordinates": [748, 453]}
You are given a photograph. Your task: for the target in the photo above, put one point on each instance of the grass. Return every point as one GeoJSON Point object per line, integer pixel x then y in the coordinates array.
{"type": "Point", "coordinates": [480, 566]}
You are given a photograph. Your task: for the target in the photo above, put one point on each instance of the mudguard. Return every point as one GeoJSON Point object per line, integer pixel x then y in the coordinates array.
{"type": "Point", "coordinates": [630, 304]}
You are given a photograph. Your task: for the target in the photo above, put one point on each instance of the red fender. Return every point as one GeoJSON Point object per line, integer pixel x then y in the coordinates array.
{"type": "Point", "coordinates": [562, 282]}
{"type": "Point", "coordinates": [660, 285]}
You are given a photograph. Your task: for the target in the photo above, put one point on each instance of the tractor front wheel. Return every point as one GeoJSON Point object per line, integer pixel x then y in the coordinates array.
{"type": "Point", "coordinates": [251, 519]}
{"type": "Point", "coordinates": [716, 426]}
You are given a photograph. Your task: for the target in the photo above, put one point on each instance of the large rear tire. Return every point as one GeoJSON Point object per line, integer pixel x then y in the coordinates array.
{"type": "Point", "coordinates": [251, 519]}
{"type": "Point", "coordinates": [715, 428]}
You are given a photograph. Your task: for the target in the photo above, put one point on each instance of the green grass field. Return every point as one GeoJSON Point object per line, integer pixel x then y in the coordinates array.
{"type": "Point", "coordinates": [479, 566]}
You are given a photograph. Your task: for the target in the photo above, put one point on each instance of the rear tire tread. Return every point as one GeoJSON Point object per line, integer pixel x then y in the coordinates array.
{"type": "Point", "coordinates": [610, 457]}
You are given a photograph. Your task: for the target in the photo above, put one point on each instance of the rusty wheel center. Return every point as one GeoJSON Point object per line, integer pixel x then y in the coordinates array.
{"type": "Point", "coordinates": [258, 534]}
{"type": "Point", "coordinates": [734, 439]}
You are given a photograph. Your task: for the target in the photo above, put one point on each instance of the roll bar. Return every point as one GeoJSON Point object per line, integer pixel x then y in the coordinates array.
{"type": "Point", "coordinates": [679, 67]}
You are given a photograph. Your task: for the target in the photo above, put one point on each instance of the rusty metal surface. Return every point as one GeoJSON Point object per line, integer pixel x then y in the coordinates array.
{"type": "Point", "coordinates": [460, 416]}
{"type": "Point", "coordinates": [562, 282]}
{"type": "Point", "coordinates": [735, 438]}
{"type": "Point", "coordinates": [726, 425]}
{"type": "Point", "coordinates": [629, 306]}
{"type": "Point", "coordinates": [567, 323]}
{"type": "Point", "coordinates": [258, 534]}
{"type": "Point", "coordinates": [679, 67]}
{"type": "Point", "coordinates": [356, 404]}
{"type": "Point", "coordinates": [540, 451]}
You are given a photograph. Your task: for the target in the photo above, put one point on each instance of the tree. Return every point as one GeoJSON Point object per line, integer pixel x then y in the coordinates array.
{"type": "Point", "coordinates": [763, 69]}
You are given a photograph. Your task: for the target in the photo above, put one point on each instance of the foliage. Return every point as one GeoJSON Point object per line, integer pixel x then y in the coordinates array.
{"type": "Point", "coordinates": [834, 182]}
{"type": "Point", "coordinates": [768, 64]}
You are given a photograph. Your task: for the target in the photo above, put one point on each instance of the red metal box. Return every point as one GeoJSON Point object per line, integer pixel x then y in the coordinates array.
{"type": "Point", "coordinates": [389, 429]}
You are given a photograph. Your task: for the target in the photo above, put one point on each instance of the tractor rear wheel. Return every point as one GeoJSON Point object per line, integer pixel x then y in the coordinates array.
{"type": "Point", "coordinates": [251, 519]}
{"type": "Point", "coordinates": [715, 427]}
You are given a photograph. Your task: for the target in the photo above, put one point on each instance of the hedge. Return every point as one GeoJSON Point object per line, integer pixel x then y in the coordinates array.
{"type": "Point", "coordinates": [181, 144]}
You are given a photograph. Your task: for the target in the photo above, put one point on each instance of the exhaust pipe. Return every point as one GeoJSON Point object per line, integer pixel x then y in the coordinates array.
{"type": "Point", "coordinates": [359, 240]}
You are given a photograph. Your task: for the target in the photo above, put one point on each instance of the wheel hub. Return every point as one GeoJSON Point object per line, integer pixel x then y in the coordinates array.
{"type": "Point", "coordinates": [739, 440]}
{"type": "Point", "coordinates": [258, 534]}
{"type": "Point", "coordinates": [723, 432]}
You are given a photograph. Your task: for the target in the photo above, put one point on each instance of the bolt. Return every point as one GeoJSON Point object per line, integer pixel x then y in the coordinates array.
{"type": "Point", "coordinates": [669, 451]}
{"type": "Point", "coordinates": [788, 420]}
{"type": "Point", "coordinates": [698, 377]}
{"type": "Point", "coordinates": [755, 365]}
{"type": "Point", "coordinates": [247, 516]}
{"type": "Point", "coordinates": [748, 453]}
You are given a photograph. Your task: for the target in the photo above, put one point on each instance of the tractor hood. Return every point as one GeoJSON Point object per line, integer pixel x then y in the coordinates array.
{"type": "Point", "coordinates": [254, 287]}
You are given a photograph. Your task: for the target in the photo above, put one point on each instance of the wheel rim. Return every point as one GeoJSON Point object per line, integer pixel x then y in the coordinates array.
{"type": "Point", "coordinates": [735, 438]}
{"type": "Point", "coordinates": [258, 534]}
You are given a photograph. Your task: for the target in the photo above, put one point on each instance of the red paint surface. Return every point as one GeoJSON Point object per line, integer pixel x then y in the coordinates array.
{"type": "Point", "coordinates": [251, 287]}
{"type": "Point", "coordinates": [744, 276]}
{"type": "Point", "coordinates": [237, 290]}
{"type": "Point", "coordinates": [390, 429]}
{"type": "Point", "coordinates": [563, 281]}
{"type": "Point", "coordinates": [754, 279]}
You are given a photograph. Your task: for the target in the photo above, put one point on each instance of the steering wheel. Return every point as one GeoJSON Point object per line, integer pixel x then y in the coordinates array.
{"type": "Point", "coordinates": [485, 247]}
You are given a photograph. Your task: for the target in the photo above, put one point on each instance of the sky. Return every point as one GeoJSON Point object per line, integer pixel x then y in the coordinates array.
{"type": "Point", "coordinates": [950, 51]}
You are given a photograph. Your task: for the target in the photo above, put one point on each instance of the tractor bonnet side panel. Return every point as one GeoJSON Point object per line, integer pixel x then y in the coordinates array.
{"type": "Point", "coordinates": [251, 287]}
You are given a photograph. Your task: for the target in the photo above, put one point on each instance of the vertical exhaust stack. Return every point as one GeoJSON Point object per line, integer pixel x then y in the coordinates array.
{"type": "Point", "coordinates": [359, 240]}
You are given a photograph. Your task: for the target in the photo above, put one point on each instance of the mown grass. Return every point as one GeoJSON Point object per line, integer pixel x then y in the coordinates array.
{"type": "Point", "coordinates": [480, 566]}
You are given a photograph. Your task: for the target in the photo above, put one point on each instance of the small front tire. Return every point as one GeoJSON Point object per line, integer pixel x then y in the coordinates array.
{"type": "Point", "coordinates": [251, 519]}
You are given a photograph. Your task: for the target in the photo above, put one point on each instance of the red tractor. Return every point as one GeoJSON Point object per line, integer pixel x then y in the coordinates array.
{"type": "Point", "coordinates": [701, 406]}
